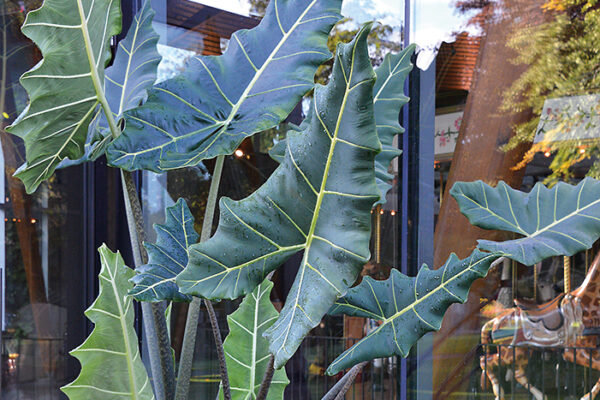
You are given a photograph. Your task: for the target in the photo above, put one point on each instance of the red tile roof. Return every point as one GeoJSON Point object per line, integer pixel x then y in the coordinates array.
{"type": "Point", "coordinates": [456, 63]}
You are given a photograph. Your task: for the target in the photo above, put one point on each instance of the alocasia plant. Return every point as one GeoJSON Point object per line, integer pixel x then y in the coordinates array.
{"type": "Point", "coordinates": [387, 100]}
{"type": "Point", "coordinates": [318, 201]}
{"type": "Point", "coordinates": [155, 281]}
{"type": "Point", "coordinates": [333, 170]}
{"type": "Point", "coordinates": [563, 220]}
{"type": "Point", "coordinates": [65, 87]}
{"type": "Point", "coordinates": [218, 101]}
{"type": "Point", "coordinates": [247, 351]}
{"type": "Point", "coordinates": [125, 82]}
{"type": "Point", "coordinates": [407, 307]}
{"type": "Point", "coordinates": [112, 348]}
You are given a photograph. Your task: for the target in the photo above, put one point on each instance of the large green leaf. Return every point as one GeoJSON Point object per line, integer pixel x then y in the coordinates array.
{"type": "Point", "coordinates": [407, 307]}
{"type": "Point", "coordinates": [388, 99]}
{"type": "Point", "coordinates": [126, 81]}
{"type": "Point", "coordinates": [74, 38]}
{"type": "Point", "coordinates": [155, 281]}
{"type": "Point", "coordinates": [111, 367]}
{"type": "Point", "coordinates": [247, 351]}
{"type": "Point", "coordinates": [318, 201]}
{"type": "Point", "coordinates": [135, 68]}
{"type": "Point", "coordinates": [220, 100]}
{"type": "Point", "coordinates": [563, 220]}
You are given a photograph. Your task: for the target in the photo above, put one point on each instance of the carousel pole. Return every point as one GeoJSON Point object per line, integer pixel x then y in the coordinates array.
{"type": "Point", "coordinates": [567, 273]}
{"type": "Point", "coordinates": [535, 280]}
{"type": "Point", "coordinates": [378, 234]}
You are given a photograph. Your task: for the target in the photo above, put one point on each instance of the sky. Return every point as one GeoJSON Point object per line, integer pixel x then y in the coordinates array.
{"type": "Point", "coordinates": [432, 20]}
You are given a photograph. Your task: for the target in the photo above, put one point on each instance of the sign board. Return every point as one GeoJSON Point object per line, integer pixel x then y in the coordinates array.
{"type": "Point", "coordinates": [447, 127]}
{"type": "Point", "coordinates": [569, 118]}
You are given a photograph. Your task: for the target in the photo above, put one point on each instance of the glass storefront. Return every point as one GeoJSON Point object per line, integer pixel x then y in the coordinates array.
{"type": "Point", "coordinates": [493, 78]}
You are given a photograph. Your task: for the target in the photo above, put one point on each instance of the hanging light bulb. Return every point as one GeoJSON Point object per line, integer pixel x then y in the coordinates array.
{"type": "Point", "coordinates": [239, 153]}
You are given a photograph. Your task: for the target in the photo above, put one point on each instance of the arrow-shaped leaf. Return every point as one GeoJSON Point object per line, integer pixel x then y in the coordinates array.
{"type": "Point", "coordinates": [388, 99]}
{"type": "Point", "coordinates": [126, 81]}
{"type": "Point", "coordinates": [563, 220]}
{"type": "Point", "coordinates": [111, 366]}
{"type": "Point", "coordinates": [218, 101]}
{"type": "Point", "coordinates": [155, 281]}
{"type": "Point", "coordinates": [135, 68]}
{"type": "Point", "coordinates": [407, 307]}
{"type": "Point", "coordinates": [74, 38]}
{"type": "Point", "coordinates": [247, 351]}
{"type": "Point", "coordinates": [318, 201]}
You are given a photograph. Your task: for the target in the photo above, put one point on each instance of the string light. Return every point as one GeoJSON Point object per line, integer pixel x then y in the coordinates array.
{"type": "Point", "coordinates": [383, 212]}
{"type": "Point", "coordinates": [546, 154]}
{"type": "Point", "coordinates": [582, 150]}
{"type": "Point", "coordinates": [32, 220]}
{"type": "Point", "coordinates": [239, 153]}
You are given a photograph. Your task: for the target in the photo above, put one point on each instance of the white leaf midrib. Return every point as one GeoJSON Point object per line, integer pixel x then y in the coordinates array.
{"type": "Point", "coordinates": [122, 320]}
{"type": "Point", "coordinates": [254, 338]}
{"type": "Point", "coordinates": [129, 58]}
{"type": "Point", "coordinates": [390, 75]}
{"type": "Point", "coordinates": [311, 233]}
{"type": "Point", "coordinates": [93, 63]}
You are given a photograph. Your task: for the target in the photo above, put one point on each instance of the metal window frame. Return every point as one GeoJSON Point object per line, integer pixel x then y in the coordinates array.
{"type": "Point", "coordinates": [416, 203]}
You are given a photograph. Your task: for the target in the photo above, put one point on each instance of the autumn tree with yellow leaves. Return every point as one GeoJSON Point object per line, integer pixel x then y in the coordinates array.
{"type": "Point", "coordinates": [564, 60]}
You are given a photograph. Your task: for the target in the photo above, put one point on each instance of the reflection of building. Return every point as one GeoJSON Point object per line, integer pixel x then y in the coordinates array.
{"type": "Point", "coordinates": [197, 27]}
{"type": "Point", "coordinates": [472, 77]}
{"type": "Point", "coordinates": [455, 66]}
